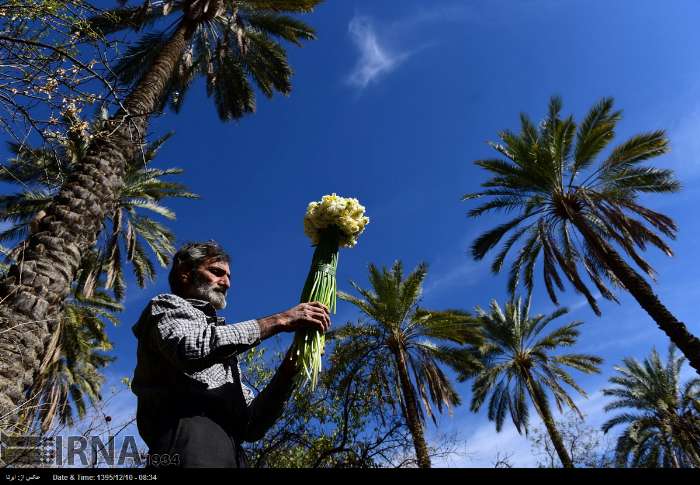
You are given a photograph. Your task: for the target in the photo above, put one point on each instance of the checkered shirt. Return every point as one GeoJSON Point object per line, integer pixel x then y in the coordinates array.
{"type": "Point", "coordinates": [195, 341]}
{"type": "Point", "coordinates": [185, 347]}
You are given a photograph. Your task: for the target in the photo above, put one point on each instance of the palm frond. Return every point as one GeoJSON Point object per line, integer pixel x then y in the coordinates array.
{"type": "Point", "coordinates": [139, 58]}
{"type": "Point", "coordinates": [652, 389]}
{"type": "Point", "coordinates": [517, 364]}
{"type": "Point", "coordinates": [295, 6]}
{"type": "Point", "coordinates": [283, 26]}
{"type": "Point", "coordinates": [118, 19]}
{"type": "Point", "coordinates": [594, 134]}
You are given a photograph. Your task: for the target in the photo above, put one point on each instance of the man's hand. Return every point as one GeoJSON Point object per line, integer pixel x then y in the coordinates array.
{"type": "Point", "coordinates": [305, 316]}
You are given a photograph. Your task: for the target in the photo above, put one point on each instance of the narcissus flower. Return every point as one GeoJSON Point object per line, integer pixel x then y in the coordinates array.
{"type": "Point", "coordinates": [331, 223]}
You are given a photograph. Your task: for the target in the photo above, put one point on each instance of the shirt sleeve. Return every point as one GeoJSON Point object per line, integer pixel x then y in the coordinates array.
{"type": "Point", "coordinates": [185, 337]}
{"type": "Point", "coordinates": [267, 407]}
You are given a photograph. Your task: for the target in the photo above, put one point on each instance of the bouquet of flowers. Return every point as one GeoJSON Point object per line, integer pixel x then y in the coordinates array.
{"type": "Point", "coordinates": [332, 223]}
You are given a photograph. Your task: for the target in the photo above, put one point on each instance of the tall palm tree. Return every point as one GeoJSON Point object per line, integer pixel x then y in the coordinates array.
{"type": "Point", "coordinates": [70, 372]}
{"type": "Point", "coordinates": [226, 47]}
{"type": "Point", "coordinates": [518, 363]}
{"type": "Point", "coordinates": [551, 182]}
{"type": "Point", "coordinates": [243, 46]}
{"type": "Point", "coordinates": [70, 375]}
{"type": "Point", "coordinates": [661, 417]}
{"type": "Point", "coordinates": [39, 173]}
{"type": "Point", "coordinates": [406, 345]}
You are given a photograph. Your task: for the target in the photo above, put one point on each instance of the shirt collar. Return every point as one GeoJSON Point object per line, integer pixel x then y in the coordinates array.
{"type": "Point", "coordinates": [203, 305]}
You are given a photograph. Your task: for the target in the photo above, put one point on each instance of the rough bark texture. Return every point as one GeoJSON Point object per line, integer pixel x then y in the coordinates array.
{"type": "Point", "coordinates": [676, 330]}
{"type": "Point", "coordinates": [546, 415]}
{"type": "Point", "coordinates": [34, 290]}
{"type": "Point", "coordinates": [412, 416]}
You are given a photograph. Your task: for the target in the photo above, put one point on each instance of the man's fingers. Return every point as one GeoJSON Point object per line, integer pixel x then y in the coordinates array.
{"type": "Point", "coordinates": [315, 314]}
{"type": "Point", "coordinates": [316, 322]}
{"type": "Point", "coordinates": [319, 308]}
{"type": "Point", "coordinates": [327, 320]}
{"type": "Point", "coordinates": [318, 304]}
{"type": "Point", "coordinates": [321, 317]}
{"type": "Point", "coordinates": [318, 318]}
{"type": "Point", "coordinates": [327, 315]}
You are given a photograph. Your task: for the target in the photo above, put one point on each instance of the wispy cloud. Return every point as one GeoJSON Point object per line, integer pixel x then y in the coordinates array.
{"type": "Point", "coordinates": [685, 157]}
{"type": "Point", "coordinates": [582, 302]}
{"type": "Point", "coordinates": [466, 273]}
{"type": "Point", "coordinates": [377, 44]}
{"type": "Point", "coordinates": [375, 59]}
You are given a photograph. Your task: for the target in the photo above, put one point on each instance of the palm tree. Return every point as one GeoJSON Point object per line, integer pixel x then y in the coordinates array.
{"type": "Point", "coordinates": [40, 171]}
{"type": "Point", "coordinates": [403, 339]}
{"type": "Point", "coordinates": [70, 374]}
{"type": "Point", "coordinates": [662, 426]}
{"type": "Point", "coordinates": [226, 46]}
{"type": "Point", "coordinates": [242, 46]}
{"type": "Point", "coordinates": [551, 183]}
{"type": "Point", "coordinates": [517, 363]}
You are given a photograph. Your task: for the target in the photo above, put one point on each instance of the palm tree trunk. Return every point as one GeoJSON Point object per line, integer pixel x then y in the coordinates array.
{"type": "Point", "coordinates": [672, 452]}
{"type": "Point", "coordinates": [693, 452]}
{"type": "Point", "coordinates": [33, 292]}
{"type": "Point", "coordinates": [546, 415]}
{"type": "Point", "coordinates": [411, 411]}
{"type": "Point", "coordinates": [676, 330]}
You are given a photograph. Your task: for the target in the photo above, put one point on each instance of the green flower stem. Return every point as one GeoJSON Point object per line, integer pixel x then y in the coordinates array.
{"type": "Point", "coordinates": [320, 286]}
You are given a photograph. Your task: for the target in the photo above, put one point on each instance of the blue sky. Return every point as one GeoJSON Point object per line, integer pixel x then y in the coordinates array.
{"type": "Point", "coordinates": [391, 105]}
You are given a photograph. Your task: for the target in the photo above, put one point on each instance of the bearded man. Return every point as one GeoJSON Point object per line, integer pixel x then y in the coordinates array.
{"type": "Point", "coordinates": [193, 408]}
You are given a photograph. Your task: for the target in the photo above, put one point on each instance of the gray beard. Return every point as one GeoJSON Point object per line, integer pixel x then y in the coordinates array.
{"type": "Point", "coordinates": [209, 292]}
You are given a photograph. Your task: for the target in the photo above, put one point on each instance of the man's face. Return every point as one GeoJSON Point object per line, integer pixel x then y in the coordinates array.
{"type": "Point", "coordinates": [210, 282]}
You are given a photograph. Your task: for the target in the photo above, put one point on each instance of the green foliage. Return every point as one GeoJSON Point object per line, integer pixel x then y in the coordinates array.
{"type": "Point", "coordinates": [661, 416]}
{"type": "Point", "coordinates": [346, 422]}
{"type": "Point", "coordinates": [550, 181]}
{"type": "Point", "coordinates": [126, 234]}
{"type": "Point", "coordinates": [519, 365]}
{"type": "Point", "coordinates": [70, 377]}
{"type": "Point", "coordinates": [121, 18]}
{"type": "Point", "coordinates": [236, 48]}
{"type": "Point", "coordinates": [397, 324]}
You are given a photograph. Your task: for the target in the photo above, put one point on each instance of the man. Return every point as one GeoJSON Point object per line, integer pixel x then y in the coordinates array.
{"type": "Point", "coordinates": [193, 410]}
